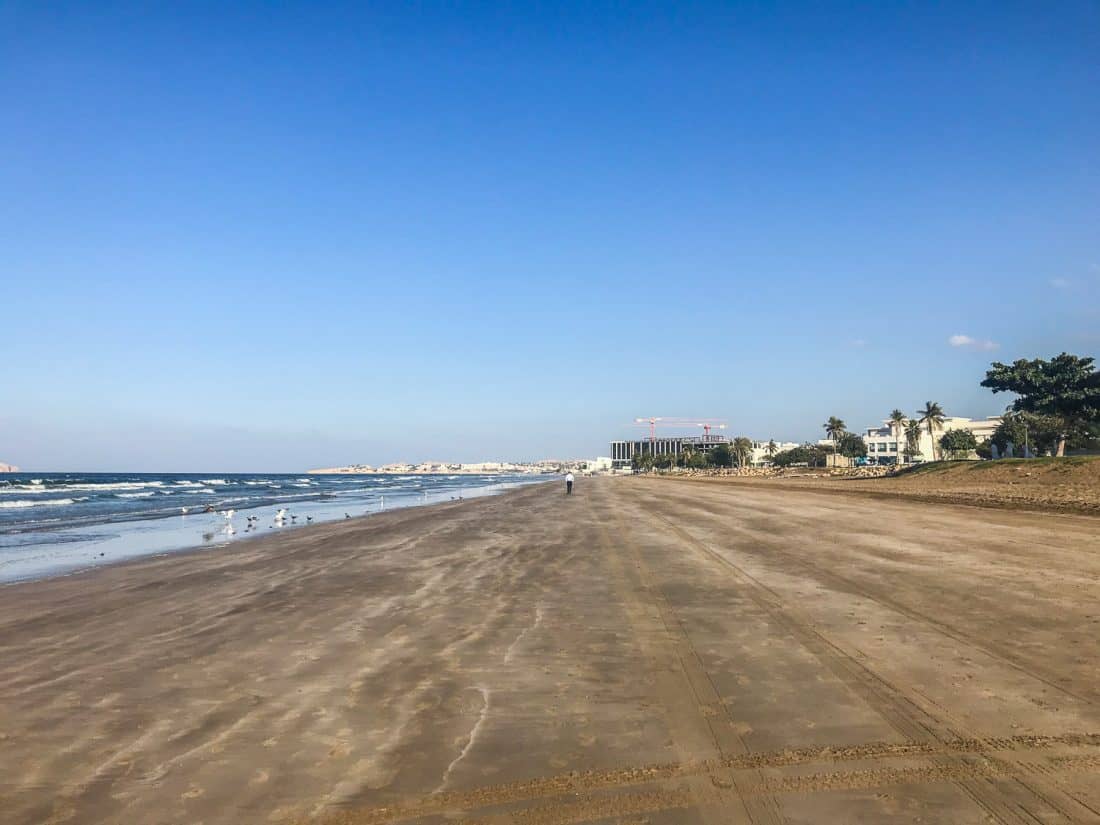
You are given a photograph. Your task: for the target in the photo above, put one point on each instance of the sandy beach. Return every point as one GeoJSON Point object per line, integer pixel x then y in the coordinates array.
{"type": "Point", "coordinates": [641, 652]}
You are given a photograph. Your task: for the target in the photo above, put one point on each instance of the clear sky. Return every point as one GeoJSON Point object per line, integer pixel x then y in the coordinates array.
{"type": "Point", "coordinates": [254, 236]}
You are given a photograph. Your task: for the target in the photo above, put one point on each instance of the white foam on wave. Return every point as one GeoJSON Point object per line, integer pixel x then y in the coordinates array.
{"type": "Point", "coordinates": [50, 502]}
{"type": "Point", "coordinates": [135, 495]}
{"type": "Point", "coordinates": [214, 481]}
{"type": "Point", "coordinates": [93, 487]}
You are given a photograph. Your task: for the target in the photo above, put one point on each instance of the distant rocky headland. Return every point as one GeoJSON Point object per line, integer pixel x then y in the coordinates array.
{"type": "Point", "coordinates": [8, 468]}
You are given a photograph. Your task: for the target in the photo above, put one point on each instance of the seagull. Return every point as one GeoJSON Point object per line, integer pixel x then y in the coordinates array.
{"type": "Point", "coordinates": [279, 516]}
{"type": "Point", "coordinates": [183, 510]}
{"type": "Point", "coordinates": [309, 518]}
{"type": "Point", "coordinates": [347, 515]}
{"type": "Point", "coordinates": [229, 514]}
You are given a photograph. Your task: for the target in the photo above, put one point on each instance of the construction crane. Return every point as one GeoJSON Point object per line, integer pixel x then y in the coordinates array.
{"type": "Point", "coordinates": [653, 423]}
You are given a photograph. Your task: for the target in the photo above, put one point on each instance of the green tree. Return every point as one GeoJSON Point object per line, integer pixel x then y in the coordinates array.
{"type": "Point", "coordinates": [957, 444]}
{"type": "Point", "coordinates": [697, 460]}
{"type": "Point", "coordinates": [985, 449]}
{"type": "Point", "coordinates": [932, 417]}
{"type": "Point", "coordinates": [742, 450]}
{"type": "Point", "coordinates": [851, 445]}
{"type": "Point", "coordinates": [771, 449]}
{"type": "Point", "coordinates": [809, 454]}
{"type": "Point", "coordinates": [1066, 387]}
{"type": "Point", "coordinates": [897, 427]}
{"type": "Point", "coordinates": [721, 456]}
{"type": "Point", "coordinates": [642, 461]}
{"type": "Point", "coordinates": [912, 439]}
{"type": "Point", "coordinates": [1037, 433]}
{"type": "Point", "coordinates": [664, 461]}
{"type": "Point", "coordinates": [834, 428]}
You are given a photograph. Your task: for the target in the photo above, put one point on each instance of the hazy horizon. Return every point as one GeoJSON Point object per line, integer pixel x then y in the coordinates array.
{"type": "Point", "coordinates": [249, 238]}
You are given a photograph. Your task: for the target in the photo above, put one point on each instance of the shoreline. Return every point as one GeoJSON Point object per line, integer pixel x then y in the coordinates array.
{"type": "Point", "coordinates": [85, 547]}
{"type": "Point", "coordinates": [322, 530]}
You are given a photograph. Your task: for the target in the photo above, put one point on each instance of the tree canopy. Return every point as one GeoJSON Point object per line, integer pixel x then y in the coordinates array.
{"type": "Point", "coordinates": [742, 450]}
{"type": "Point", "coordinates": [851, 445]}
{"type": "Point", "coordinates": [1066, 387]}
{"type": "Point", "coordinates": [809, 454]}
{"type": "Point", "coordinates": [721, 456]}
{"type": "Point", "coordinates": [958, 443]}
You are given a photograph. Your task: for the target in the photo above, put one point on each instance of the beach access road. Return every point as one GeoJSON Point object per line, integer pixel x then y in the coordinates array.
{"type": "Point", "coordinates": [644, 651]}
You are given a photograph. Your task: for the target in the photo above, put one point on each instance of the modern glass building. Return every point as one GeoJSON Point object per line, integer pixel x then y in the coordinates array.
{"type": "Point", "coordinates": [623, 452]}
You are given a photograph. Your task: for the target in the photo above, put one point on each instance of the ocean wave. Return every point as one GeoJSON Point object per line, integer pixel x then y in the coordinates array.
{"type": "Point", "coordinates": [94, 487]}
{"type": "Point", "coordinates": [189, 483]}
{"type": "Point", "coordinates": [213, 481]}
{"type": "Point", "coordinates": [49, 502]}
{"type": "Point", "coordinates": [135, 495]}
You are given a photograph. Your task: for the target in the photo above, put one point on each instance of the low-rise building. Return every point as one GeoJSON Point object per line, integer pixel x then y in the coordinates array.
{"type": "Point", "coordinates": [886, 443]}
{"type": "Point", "coordinates": [600, 464]}
{"type": "Point", "coordinates": [761, 454]}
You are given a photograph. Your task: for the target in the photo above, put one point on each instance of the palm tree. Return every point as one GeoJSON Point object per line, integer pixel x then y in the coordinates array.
{"type": "Point", "coordinates": [897, 426]}
{"type": "Point", "coordinates": [932, 417]}
{"type": "Point", "coordinates": [834, 428]}
{"type": "Point", "coordinates": [742, 448]}
{"type": "Point", "coordinates": [912, 438]}
{"type": "Point", "coordinates": [771, 449]}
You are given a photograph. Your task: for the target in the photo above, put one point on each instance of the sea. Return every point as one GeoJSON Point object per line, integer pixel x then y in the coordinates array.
{"type": "Point", "coordinates": [57, 523]}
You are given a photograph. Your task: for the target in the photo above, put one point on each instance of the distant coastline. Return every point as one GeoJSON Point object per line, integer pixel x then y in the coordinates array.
{"type": "Point", "coordinates": [443, 468]}
{"type": "Point", "coordinates": [8, 468]}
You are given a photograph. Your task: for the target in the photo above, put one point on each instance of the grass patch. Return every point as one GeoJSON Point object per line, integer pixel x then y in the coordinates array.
{"type": "Point", "coordinates": [939, 467]}
{"type": "Point", "coordinates": [1045, 461]}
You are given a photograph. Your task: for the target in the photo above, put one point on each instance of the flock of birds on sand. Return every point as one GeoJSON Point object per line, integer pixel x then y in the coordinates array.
{"type": "Point", "coordinates": [254, 521]}
{"type": "Point", "coordinates": [282, 518]}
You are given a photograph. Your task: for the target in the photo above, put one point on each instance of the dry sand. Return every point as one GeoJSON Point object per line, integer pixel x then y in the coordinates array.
{"type": "Point", "coordinates": [643, 652]}
{"type": "Point", "coordinates": [1069, 485]}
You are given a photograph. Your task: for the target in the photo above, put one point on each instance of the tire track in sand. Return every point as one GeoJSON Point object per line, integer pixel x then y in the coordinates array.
{"type": "Point", "coordinates": [1044, 754]}
{"type": "Point", "coordinates": [842, 583]}
{"type": "Point", "coordinates": [1011, 801]}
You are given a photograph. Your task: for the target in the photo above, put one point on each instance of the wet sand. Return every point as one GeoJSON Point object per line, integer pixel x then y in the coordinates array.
{"type": "Point", "coordinates": [642, 652]}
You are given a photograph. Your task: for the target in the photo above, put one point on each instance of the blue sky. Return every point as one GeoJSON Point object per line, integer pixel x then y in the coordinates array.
{"type": "Point", "coordinates": [273, 236]}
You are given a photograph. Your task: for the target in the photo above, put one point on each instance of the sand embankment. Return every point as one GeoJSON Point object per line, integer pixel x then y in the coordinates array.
{"type": "Point", "coordinates": [1068, 485]}
{"type": "Point", "coordinates": [640, 652]}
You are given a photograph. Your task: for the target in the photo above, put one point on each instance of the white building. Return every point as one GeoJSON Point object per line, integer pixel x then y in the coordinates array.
{"type": "Point", "coordinates": [600, 464]}
{"type": "Point", "coordinates": [760, 455]}
{"type": "Point", "coordinates": [886, 444]}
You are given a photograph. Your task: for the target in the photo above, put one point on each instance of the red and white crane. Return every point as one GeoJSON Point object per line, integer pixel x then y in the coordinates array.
{"type": "Point", "coordinates": [653, 423]}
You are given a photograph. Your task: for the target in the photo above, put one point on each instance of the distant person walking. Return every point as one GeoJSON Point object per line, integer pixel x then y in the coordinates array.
{"type": "Point", "coordinates": [569, 484]}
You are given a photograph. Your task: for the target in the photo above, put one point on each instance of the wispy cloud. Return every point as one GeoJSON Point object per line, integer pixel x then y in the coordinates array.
{"type": "Point", "coordinates": [858, 343]}
{"type": "Point", "coordinates": [1060, 283]}
{"type": "Point", "coordinates": [966, 342]}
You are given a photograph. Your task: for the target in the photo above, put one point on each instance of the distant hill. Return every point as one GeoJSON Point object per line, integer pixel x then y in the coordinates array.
{"type": "Point", "coordinates": [8, 468]}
